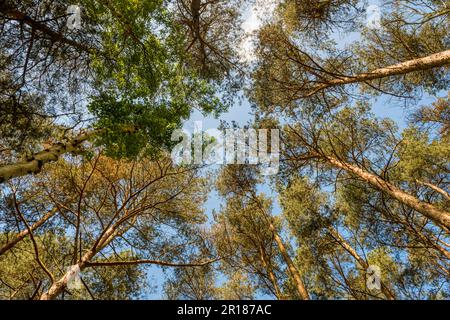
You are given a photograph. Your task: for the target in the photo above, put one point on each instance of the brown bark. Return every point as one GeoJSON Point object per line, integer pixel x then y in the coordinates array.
{"type": "Point", "coordinates": [21, 235]}
{"type": "Point", "coordinates": [195, 12]}
{"type": "Point", "coordinates": [419, 64]}
{"type": "Point", "coordinates": [439, 216]}
{"type": "Point", "coordinates": [435, 188]}
{"type": "Point", "coordinates": [271, 274]}
{"type": "Point", "coordinates": [427, 241]}
{"type": "Point", "coordinates": [362, 262]}
{"type": "Point", "coordinates": [301, 289]}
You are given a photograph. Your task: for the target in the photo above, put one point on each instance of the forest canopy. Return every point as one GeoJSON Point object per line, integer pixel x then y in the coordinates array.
{"type": "Point", "coordinates": [93, 100]}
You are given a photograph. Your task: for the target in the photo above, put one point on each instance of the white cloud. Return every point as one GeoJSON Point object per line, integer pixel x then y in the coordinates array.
{"type": "Point", "coordinates": [251, 24]}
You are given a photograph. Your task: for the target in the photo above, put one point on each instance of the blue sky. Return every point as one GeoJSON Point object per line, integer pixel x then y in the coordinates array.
{"type": "Point", "coordinates": [240, 113]}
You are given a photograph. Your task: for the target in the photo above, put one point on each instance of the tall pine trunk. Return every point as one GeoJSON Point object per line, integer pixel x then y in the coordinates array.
{"type": "Point", "coordinates": [364, 265]}
{"type": "Point", "coordinates": [300, 286]}
{"type": "Point", "coordinates": [419, 64]}
{"type": "Point", "coordinates": [439, 216]}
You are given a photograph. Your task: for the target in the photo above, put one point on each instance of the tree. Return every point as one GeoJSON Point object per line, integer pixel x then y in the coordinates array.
{"type": "Point", "coordinates": [213, 30]}
{"type": "Point", "coordinates": [293, 65]}
{"type": "Point", "coordinates": [346, 143]}
{"type": "Point", "coordinates": [112, 214]}
{"type": "Point", "coordinates": [90, 199]}
{"type": "Point", "coordinates": [311, 218]}
{"type": "Point", "coordinates": [245, 209]}
{"type": "Point", "coordinates": [23, 279]}
{"type": "Point", "coordinates": [128, 75]}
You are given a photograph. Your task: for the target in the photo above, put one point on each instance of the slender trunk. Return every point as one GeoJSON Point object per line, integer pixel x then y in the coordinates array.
{"type": "Point", "coordinates": [301, 289]}
{"type": "Point", "coordinates": [364, 265]}
{"type": "Point", "coordinates": [58, 287]}
{"type": "Point", "coordinates": [21, 235]}
{"type": "Point", "coordinates": [195, 12]}
{"type": "Point", "coordinates": [271, 274]}
{"type": "Point", "coordinates": [439, 216]}
{"type": "Point", "coordinates": [435, 188]}
{"type": "Point", "coordinates": [434, 244]}
{"type": "Point", "coordinates": [300, 286]}
{"type": "Point", "coordinates": [425, 63]}
{"type": "Point", "coordinates": [34, 163]}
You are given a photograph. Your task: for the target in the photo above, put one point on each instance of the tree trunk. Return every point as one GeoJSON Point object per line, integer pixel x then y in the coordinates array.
{"type": "Point", "coordinates": [300, 286]}
{"type": "Point", "coordinates": [301, 289]}
{"type": "Point", "coordinates": [364, 265]}
{"type": "Point", "coordinates": [425, 63]}
{"type": "Point", "coordinates": [21, 235]}
{"type": "Point", "coordinates": [439, 216]}
{"type": "Point", "coordinates": [435, 188]}
{"type": "Point", "coordinates": [271, 274]}
{"type": "Point", "coordinates": [58, 287]}
{"type": "Point", "coordinates": [36, 161]}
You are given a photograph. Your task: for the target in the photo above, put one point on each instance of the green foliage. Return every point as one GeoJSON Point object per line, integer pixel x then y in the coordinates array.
{"type": "Point", "coordinates": [144, 84]}
{"type": "Point", "coordinates": [136, 70]}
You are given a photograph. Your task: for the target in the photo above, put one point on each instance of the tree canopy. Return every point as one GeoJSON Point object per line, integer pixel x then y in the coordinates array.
{"type": "Point", "coordinates": [92, 201]}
